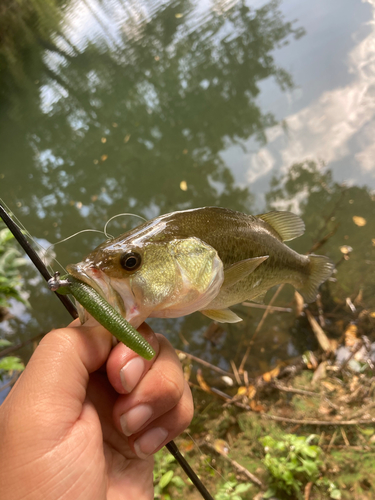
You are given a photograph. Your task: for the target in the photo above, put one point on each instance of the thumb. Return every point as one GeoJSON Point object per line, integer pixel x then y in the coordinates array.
{"type": "Point", "coordinates": [54, 382]}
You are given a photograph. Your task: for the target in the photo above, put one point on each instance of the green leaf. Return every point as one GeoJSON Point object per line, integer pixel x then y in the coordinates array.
{"type": "Point", "coordinates": [5, 343]}
{"type": "Point", "coordinates": [336, 494]}
{"type": "Point", "coordinates": [178, 482]}
{"type": "Point", "coordinates": [241, 488]}
{"type": "Point", "coordinates": [11, 363]}
{"type": "Point", "coordinates": [269, 493]}
{"type": "Point", "coordinates": [165, 479]}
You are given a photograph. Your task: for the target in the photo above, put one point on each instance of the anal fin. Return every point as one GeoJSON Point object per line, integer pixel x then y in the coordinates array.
{"type": "Point", "coordinates": [222, 315]}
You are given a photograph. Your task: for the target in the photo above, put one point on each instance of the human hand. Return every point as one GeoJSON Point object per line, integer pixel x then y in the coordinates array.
{"type": "Point", "coordinates": [62, 425]}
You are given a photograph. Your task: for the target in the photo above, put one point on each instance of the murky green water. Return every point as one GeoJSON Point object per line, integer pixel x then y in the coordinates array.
{"type": "Point", "coordinates": [148, 107]}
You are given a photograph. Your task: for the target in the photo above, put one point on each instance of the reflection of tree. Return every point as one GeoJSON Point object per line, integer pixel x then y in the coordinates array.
{"type": "Point", "coordinates": [166, 105]}
{"type": "Point", "coordinates": [326, 207]}
{"type": "Point", "coordinates": [26, 31]}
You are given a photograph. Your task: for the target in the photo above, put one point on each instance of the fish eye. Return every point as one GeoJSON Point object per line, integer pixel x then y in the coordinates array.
{"type": "Point", "coordinates": [130, 261]}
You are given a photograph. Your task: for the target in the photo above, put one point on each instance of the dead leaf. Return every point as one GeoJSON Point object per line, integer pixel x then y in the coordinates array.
{"type": "Point", "coordinates": [255, 406]}
{"type": "Point", "coordinates": [126, 138]}
{"type": "Point", "coordinates": [268, 376]}
{"type": "Point", "coordinates": [251, 391]}
{"type": "Point", "coordinates": [351, 337]}
{"type": "Point", "coordinates": [346, 249]}
{"type": "Point", "coordinates": [310, 360]}
{"type": "Point", "coordinates": [104, 140]}
{"type": "Point", "coordinates": [359, 221]}
{"type": "Point", "coordinates": [319, 373]}
{"type": "Point", "coordinates": [330, 387]}
{"type": "Point", "coordinates": [202, 383]}
{"type": "Point", "coordinates": [104, 157]}
{"type": "Point", "coordinates": [299, 304]}
{"type": "Point", "coordinates": [319, 333]}
{"type": "Point", "coordinates": [242, 391]}
{"type": "Point", "coordinates": [221, 446]}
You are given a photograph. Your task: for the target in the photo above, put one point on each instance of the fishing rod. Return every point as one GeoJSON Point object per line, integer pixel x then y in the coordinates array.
{"type": "Point", "coordinates": [41, 267]}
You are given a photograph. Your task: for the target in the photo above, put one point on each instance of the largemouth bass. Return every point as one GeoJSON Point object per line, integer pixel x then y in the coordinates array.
{"type": "Point", "coordinates": [204, 259]}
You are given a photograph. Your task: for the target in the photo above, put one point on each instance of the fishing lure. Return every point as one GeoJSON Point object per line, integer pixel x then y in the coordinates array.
{"type": "Point", "coordinates": [105, 314]}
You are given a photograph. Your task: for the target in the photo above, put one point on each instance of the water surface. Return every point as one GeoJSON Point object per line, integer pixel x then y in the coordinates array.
{"type": "Point", "coordinates": [149, 107]}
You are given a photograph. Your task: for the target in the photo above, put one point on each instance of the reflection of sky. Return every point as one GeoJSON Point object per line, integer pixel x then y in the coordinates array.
{"type": "Point", "coordinates": [330, 117]}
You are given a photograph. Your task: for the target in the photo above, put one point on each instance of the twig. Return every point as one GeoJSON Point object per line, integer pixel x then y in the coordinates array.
{"type": "Point", "coordinates": [260, 324]}
{"type": "Point", "coordinates": [307, 421]}
{"type": "Point", "coordinates": [308, 490]}
{"type": "Point", "coordinates": [12, 348]}
{"type": "Point", "coordinates": [264, 306]}
{"type": "Point", "coordinates": [235, 371]}
{"type": "Point", "coordinates": [239, 467]}
{"type": "Point", "coordinates": [332, 440]}
{"type": "Point", "coordinates": [343, 434]}
{"type": "Point", "coordinates": [293, 390]}
{"type": "Point", "coordinates": [363, 410]}
{"type": "Point", "coordinates": [206, 363]}
{"type": "Point", "coordinates": [323, 240]}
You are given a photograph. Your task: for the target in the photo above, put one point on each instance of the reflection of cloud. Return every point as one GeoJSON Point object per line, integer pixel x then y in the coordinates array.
{"type": "Point", "coordinates": [261, 163]}
{"type": "Point", "coordinates": [340, 120]}
{"type": "Point", "coordinates": [366, 157]}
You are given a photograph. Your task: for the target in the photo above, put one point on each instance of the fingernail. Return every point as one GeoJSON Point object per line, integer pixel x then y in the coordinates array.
{"type": "Point", "coordinates": [135, 418]}
{"type": "Point", "coordinates": [150, 441]}
{"type": "Point", "coordinates": [131, 373]}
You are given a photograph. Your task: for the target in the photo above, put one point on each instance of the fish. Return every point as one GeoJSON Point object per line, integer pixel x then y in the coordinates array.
{"type": "Point", "coordinates": [203, 259]}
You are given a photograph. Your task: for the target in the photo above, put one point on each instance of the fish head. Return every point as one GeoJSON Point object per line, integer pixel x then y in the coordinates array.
{"type": "Point", "coordinates": [153, 278]}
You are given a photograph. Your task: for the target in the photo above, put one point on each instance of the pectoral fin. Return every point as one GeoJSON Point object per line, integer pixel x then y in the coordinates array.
{"type": "Point", "coordinates": [240, 270]}
{"type": "Point", "coordinates": [222, 315]}
{"type": "Point", "coordinates": [287, 225]}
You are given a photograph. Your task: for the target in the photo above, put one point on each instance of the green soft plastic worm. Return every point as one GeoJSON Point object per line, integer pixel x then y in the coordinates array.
{"type": "Point", "coordinates": [106, 315]}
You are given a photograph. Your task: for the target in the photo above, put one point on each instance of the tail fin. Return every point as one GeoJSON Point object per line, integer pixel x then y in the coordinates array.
{"type": "Point", "coordinates": [321, 269]}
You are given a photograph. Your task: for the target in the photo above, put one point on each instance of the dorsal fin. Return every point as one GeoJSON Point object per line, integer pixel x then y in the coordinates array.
{"type": "Point", "coordinates": [287, 225]}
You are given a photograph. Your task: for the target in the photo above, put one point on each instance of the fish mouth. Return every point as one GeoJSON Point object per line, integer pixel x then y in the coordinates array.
{"type": "Point", "coordinates": [94, 277]}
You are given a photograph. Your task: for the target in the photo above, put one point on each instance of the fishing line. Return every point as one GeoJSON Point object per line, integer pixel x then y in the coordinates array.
{"type": "Point", "coordinates": [205, 455]}
{"type": "Point", "coordinates": [66, 239]}
{"type": "Point", "coordinates": [119, 215]}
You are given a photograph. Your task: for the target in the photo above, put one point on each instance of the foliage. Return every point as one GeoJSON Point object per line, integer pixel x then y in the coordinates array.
{"type": "Point", "coordinates": [165, 476]}
{"type": "Point", "coordinates": [293, 461]}
{"type": "Point", "coordinates": [10, 364]}
{"type": "Point", "coordinates": [10, 261]}
{"type": "Point", "coordinates": [232, 490]}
